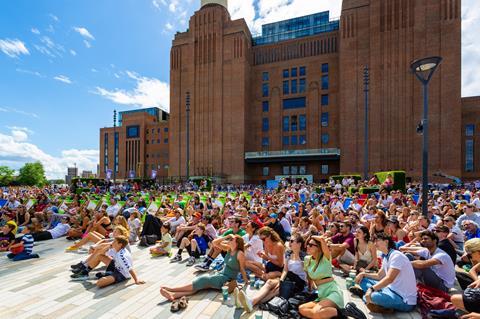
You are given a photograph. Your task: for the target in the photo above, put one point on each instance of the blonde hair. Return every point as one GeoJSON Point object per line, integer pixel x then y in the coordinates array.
{"type": "Point", "coordinates": [472, 245]}
{"type": "Point", "coordinates": [122, 230]}
{"type": "Point", "coordinates": [121, 221]}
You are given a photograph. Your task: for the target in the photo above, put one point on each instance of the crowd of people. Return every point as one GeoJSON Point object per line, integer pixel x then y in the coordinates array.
{"type": "Point", "coordinates": [290, 241]}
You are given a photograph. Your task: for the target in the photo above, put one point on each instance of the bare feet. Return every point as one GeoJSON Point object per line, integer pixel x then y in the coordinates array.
{"type": "Point", "coordinates": [164, 292]}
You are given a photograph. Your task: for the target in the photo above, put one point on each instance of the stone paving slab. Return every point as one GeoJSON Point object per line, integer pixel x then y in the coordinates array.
{"type": "Point", "coordinates": [41, 288]}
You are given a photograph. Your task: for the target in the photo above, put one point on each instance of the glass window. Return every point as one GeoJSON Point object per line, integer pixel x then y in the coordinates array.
{"type": "Point", "coordinates": [324, 82]}
{"type": "Point", "coordinates": [303, 140]}
{"type": "Point", "coordinates": [265, 89]}
{"type": "Point", "coordinates": [325, 68]}
{"type": "Point", "coordinates": [294, 72]}
{"type": "Point", "coordinates": [470, 130]}
{"type": "Point", "coordinates": [469, 155]}
{"type": "Point", "coordinates": [285, 73]}
{"type": "Point", "coordinates": [133, 131]}
{"type": "Point", "coordinates": [324, 99]}
{"type": "Point", "coordinates": [294, 140]}
{"type": "Point", "coordinates": [265, 76]}
{"type": "Point", "coordinates": [294, 86]}
{"type": "Point", "coordinates": [165, 129]}
{"type": "Point", "coordinates": [303, 71]}
{"type": "Point", "coordinates": [324, 169]}
{"type": "Point", "coordinates": [325, 138]}
{"type": "Point", "coordinates": [302, 119]}
{"type": "Point", "coordinates": [266, 171]}
{"type": "Point", "coordinates": [265, 106]}
{"type": "Point", "coordinates": [285, 87]}
{"type": "Point", "coordinates": [158, 141]}
{"type": "Point", "coordinates": [286, 123]}
{"type": "Point", "coordinates": [285, 140]}
{"type": "Point", "coordinates": [265, 124]}
{"type": "Point", "coordinates": [294, 103]}
{"type": "Point", "coordinates": [294, 123]}
{"type": "Point", "coordinates": [148, 142]}
{"type": "Point", "coordinates": [265, 141]}
{"type": "Point", "coordinates": [165, 141]}
{"type": "Point", "coordinates": [158, 131]}
{"type": "Point", "coordinates": [302, 170]}
{"type": "Point", "coordinates": [294, 170]}
{"type": "Point", "coordinates": [324, 119]}
{"type": "Point", "coordinates": [301, 86]}
{"type": "Point", "coordinates": [286, 170]}
{"type": "Point", "coordinates": [153, 141]}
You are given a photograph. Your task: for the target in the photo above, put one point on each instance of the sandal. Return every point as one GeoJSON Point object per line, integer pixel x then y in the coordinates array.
{"type": "Point", "coordinates": [183, 302]}
{"type": "Point", "coordinates": [175, 307]}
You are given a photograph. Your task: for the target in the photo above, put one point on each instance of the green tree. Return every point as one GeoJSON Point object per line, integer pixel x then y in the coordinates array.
{"type": "Point", "coordinates": [6, 175]}
{"type": "Point", "coordinates": [32, 174]}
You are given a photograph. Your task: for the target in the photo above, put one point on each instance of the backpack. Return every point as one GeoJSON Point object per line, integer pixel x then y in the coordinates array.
{"type": "Point", "coordinates": [278, 306]}
{"type": "Point", "coordinates": [430, 299]}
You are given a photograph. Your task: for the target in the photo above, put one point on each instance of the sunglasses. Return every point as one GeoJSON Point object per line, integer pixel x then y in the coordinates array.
{"type": "Point", "coordinates": [292, 241]}
{"type": "Point", "coordinates": [341, 226]}
{"type": "Point", "coordinates": [311, 245]}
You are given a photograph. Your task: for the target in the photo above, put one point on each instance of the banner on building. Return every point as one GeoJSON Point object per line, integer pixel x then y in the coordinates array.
{"type": "Point", "coordinates": [154, 174]}
{"type": "Point", "coordinates": [131, 174]}
{"type": "Point", "coordinates": [108, 174]}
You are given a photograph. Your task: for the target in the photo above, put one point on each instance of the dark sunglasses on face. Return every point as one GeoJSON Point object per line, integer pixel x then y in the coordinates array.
{"type": "Point", "coordinates": [311, 245]}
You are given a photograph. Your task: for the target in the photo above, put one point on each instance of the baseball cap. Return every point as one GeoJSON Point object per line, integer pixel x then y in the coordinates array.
{"type": "Point", "coordinates": [273, 215]}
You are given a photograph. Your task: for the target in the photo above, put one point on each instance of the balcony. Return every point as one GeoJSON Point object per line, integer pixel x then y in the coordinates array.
{"type": "Point", "coordinates": [293, 155]}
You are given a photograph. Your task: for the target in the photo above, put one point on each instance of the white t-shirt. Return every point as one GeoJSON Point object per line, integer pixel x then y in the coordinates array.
{"type": "Point", "coordinates": [112, 210]}
{"type": "Point", "coordinates": [405, 283]}
{"type": "Point", "coordinates": [286, 225]}
{"type": "Point", "coordinates": [59, 230]}
{"type": "Point", "coordinates": [445, 270]}
{"type": "Point", "coordinates": [123, 261]}
{"type": "Point", "coordinates": [256, 245]}
{"type": "Point", "coordinates": [134, 225]}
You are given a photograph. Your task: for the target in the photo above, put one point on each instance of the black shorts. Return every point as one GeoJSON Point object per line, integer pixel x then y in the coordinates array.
{"type": "Point", "coordinates": [271, 267]}
{"type": "Point", "coordinates": [471, 299]}
{"type": "Point", "coordinates": [112, 271]}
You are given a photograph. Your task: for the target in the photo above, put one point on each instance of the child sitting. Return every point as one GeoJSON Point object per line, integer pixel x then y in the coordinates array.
{"type": "Point", "coordinates": [7, 236]}
{"type": "Point", "coordinates": [27, 243]}
{"type": "Point", "coordinates": [196, 245]}
{"type": "Point", "coordinates": [164, 247]}
{"type": "Point", "coordinates": [134, 225]}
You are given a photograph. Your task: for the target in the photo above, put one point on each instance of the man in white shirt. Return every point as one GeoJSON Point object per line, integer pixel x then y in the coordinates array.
{"type": "Point", "coordinates": [176, 221]}
{"type": "Point", "coordinates": [434, 267]}
{"type": "Point", "coordinates": [58, 231]}
{"type": "Point", "coordinates": [113, 209]}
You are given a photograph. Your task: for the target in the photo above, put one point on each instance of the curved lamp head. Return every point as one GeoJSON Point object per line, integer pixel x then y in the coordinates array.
{"type": "Point", "coordinates": [424, 68]}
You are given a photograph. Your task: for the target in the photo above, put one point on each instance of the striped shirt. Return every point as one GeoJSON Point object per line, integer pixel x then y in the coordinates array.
{"type": "Point", "coordinates": [27, 240]}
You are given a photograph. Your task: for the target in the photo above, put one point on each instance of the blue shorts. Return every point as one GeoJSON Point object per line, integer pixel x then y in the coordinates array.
{"type": "Point", "coordinates": [112, 271]}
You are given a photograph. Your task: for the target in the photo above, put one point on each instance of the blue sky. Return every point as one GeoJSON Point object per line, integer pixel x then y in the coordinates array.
{"type": "Point", "coordinates": [65, 65]}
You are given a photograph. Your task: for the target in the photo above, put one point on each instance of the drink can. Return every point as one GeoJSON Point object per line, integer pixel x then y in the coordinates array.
{"type": "Point", "coordinates": [225, 293]}
{"type": "Point", "coordinates": [252, 280]}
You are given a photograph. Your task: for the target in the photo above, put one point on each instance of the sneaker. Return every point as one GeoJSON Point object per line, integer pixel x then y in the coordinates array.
{"type": "Point", "coordinates": [99, 275]}
{"type": "Point", "coordinates": [235, 298]}
{"type": "Point", "coordinates": [76, 266]}
{"type": "Point", "coordinates": [245, 302]}
{"type": "Point", "coordinates": [177, 258]}
{"type": "Point", "coordinates": [78, 270]}
{"type": "Point", "coordinates": [379, 309]}
{"type": "Point", "coordinates": [82, 275]}
{"type": "Point", "coordinates": [71, 248]}
{"type": "Point", "coordinates": [202, 267]}
{"type": "Point", "coordinates": [351, 311]}
{"type": "Point", "coordinates": [357, 291]}
{"type": "Point", "coordinates": [191, 261]}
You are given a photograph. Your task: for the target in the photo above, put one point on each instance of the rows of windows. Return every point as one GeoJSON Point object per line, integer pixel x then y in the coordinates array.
{"type": "Point", "coordinates": [294, 170]}
{"type": "Point", "coordinates": [115, 148]}
{"type": "Point", "coordinates": [324, 119]}
{"type": "Point", "coordinates": [294, 72]}
{"type": "Point", "coordinates": [469, 147]}
{"type": "Point", "coordinates": [294, 140]}
{"type": "Point", "coordinates": [294, 86]}
{"type": "Point", "coordinates": [158, 141]}
{"type": "Point", "coordinates": [294, 123]}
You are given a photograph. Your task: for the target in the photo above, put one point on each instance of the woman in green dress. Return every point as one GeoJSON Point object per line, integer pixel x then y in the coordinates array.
{"type": "Point", "coordinates": [318, 266]}
{"type": "Point", "coordinates": [234, 263]}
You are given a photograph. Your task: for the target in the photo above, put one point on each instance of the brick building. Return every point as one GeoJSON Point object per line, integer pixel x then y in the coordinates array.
{"type": "Point", "coordinates": [290, 101]}
{"type": "Point", "coordinates": [137, 146]}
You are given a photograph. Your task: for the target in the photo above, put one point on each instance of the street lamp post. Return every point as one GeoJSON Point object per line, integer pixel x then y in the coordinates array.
{"type": "Point", "coordinates": [115, 146]}
{"type": "Point", "coordinates": [187, 109]}
{"type": "Point", "coordinates": [366, 81]}
{"type": "Point", "coordinates": [424, 70]}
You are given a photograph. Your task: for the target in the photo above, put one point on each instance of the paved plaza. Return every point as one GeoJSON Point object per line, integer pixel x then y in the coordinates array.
{"type": "Point", "coordinates": [41, 288]}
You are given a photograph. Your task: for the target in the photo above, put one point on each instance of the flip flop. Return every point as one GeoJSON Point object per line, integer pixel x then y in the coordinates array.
{"type": "Point", "coordinates": [183, 302]}
{"type": "Point", "coordinates": [175, 307]}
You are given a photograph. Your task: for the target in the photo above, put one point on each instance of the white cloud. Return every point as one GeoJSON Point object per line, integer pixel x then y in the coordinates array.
{"type": "Point", "coordinates": [173, 6]}
{"type": "Point", "coordinates": [50, 29]}
{"type": "Point", "coordinates": [470, 48]}
{"type": "Point", "coordinates": [35, 31]}
{"type": "Point", "coordinates": [72, 52]}
{"type": "Point", "coordinates": [87, 44]}
{"type": "Point", "coordinates": [84, 32]}
{"type": "Point", "coordinates": [157, 3]}
{"type": "Point", "coordinates": [149, 92]}
{"type": "Point", "coordinates": [20, 128]}
{"type": "Point", "coordinates": [54, 17]}
{"type": "Point", "coordinates": [17, 111]}
{"type": "Point", "coordinates": [169, 26]}
{"type": "Point", "coordinates": [13, 48]}
{"type": "Point", "coordinates": [94, 70]}
{"type": "Point", "coordinates": [16, 151]}
{"type": "Point", "coordinates": [36, 73]}
{"type": "Point", "coordinates": [49, 48]}
{"type": "Point", "coordinates": [63, 78]}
